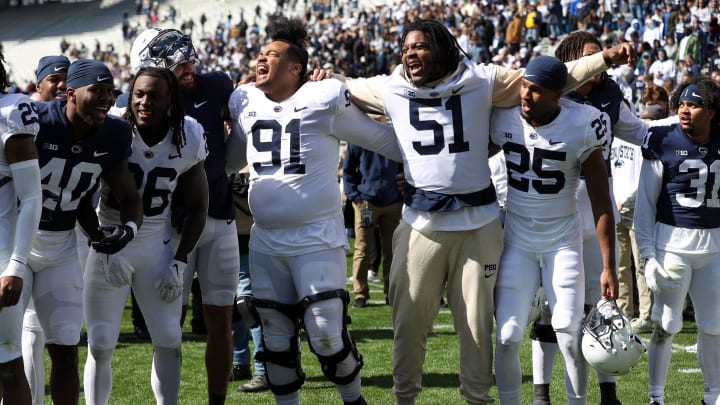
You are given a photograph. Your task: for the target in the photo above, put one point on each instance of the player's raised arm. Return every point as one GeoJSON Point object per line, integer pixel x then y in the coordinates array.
{"type": "Point", "coordinates": [359, 129]}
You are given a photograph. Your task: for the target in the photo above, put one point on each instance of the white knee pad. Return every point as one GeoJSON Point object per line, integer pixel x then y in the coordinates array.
{"type": "Point", "coordinates": [510, 332]}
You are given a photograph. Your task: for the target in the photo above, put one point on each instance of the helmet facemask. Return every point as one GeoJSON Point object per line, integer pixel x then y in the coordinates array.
{"type": "Point", "coordinates": [168, 49]}
{"type": "Point", "coordinates": [608, 344]}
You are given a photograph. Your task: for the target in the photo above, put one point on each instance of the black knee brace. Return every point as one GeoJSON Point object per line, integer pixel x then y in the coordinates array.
{"type": "Point", "coordinates": [287, 359]}
{"type": "Point", "coordinates": [542, 333]}
{"type": "Point", "coordinates": [245, 306]}
{"type": "Point", "coordinates": [328, 364]}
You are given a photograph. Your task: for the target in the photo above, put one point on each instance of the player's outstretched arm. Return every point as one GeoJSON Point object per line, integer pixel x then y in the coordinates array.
{"type": "Point", "coordinates": [365, 90]}
{"type": "Point", "coordinates": [359, 129]}
{"type": "Point", "coordinates": [193, 183]}
{"type": "Point", "coordinates": [598, 187]}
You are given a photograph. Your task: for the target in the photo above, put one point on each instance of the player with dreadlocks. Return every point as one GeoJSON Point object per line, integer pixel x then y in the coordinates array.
{"type": "Point", "coordinates": [291, 129]}
{"type": "Point", "coordinates": [168, 151]}
{"type": "Point", "coordinates": [20, 182]}
{"type": "Point", "coordinates": [450, 234]}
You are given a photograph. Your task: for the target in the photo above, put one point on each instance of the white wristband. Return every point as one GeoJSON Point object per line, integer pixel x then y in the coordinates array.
{"type": "Point", "coordinates": [132, 226]}
{"type": "Point", "coordinates": [15, 268]}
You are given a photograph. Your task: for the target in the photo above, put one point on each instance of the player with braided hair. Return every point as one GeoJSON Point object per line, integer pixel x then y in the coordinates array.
{"type": "Point", "coordinates": [19, 181]}
{"type": "Point", "coordinates": [176, 119]}
{"type": "Point", "coordinates": [168, 150]}
{"type": "Point", "coordinates": [449, 229]}
{"type": "Point", "coordinates": [216, 258]}
{"type": "Point", "coordinates": [289, 129]}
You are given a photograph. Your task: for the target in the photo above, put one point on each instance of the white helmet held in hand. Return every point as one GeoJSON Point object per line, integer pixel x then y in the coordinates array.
{"type": "Point", "coordinates": [161, 48]}
{"type": "Point", "coordinates": [608, 343]}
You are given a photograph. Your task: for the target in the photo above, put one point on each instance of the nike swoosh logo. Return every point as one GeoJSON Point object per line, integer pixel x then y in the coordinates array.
{"type": "Point", "coordinates": [165, 242]}
{"type": "Point", "coordinates": [98, 154]}
{"type": "Point", "coordinates": [103, 78]}
{"type": "Point", "coordinates": [174, 156]}
{"type": "Point", "coordinates": [696, 95]}
{"type": "Point", "coordinates": [551, 142]}
{"type": "Point", "coordinates": [198, 105]}
{"type": "Point", "coordinates": [456, 90]}
{"type": "Point", "coordinates": [299, 109]}
{"type": "Point", "coordinates": [603, 105]}
{"type": "Point", "coordinates": [489, 275]}
{"type": "Point", "coordinates": [58, 68]}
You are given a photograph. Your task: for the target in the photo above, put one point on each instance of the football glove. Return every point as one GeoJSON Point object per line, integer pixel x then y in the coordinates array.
{"type": "Point", "coordinates": [170, 284]}
{"type": "Point", "coordinates": [118, 236]}
{"type": "Point", "coordinates": [240, 183]}
{"type": "Point", "coordinates": [654, 271]}
{"type": "Point", "coordinates": [116, 269]}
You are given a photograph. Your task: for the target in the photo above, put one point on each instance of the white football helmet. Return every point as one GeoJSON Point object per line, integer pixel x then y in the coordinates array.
{"type": "Point", "coordinates": [608, 343]}
{"type": "Point", "coordinates": [161, 48]}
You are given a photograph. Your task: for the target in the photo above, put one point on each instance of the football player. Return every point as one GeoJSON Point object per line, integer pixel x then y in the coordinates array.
{"type": "Point", "coordinates": [78, 143]}
{"type": "Point", "coordinates": [450, 228]}
{"type": "Point", "coordinates": [19, 181]}
{"type": "Point", "coordinates": [617, 120]}
{"type": "Point", "coordinates": [168, 150]}
{"type": "Point", "coordinates": [547, 142]}
{"type": "Point", "coordinates": [51, 78]}
{"type": "Point", "coordinates": [677, 225]}
{"type": "Point", "coordinates": [298, 242]}
{"type": "Point", "coordinates": [216, 258]}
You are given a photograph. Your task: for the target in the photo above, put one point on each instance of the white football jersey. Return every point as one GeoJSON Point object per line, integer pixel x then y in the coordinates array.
{"type": "Point", "coordinates": [156, 170]}
{"type": "Point", "coordinates": [292, 153]}
{"type": "Point", "coordinates": [442, 132]}
{"type": "Point", "coordinates": [544, 164]}
{"type": "Point", "coordinates": [443, 135]}
{"type": "Point", "coordinates": [18, 115]}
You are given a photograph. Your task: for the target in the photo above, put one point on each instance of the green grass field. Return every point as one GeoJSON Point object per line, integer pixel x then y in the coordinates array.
{"type": "Point", "coordinates": [372, 329]}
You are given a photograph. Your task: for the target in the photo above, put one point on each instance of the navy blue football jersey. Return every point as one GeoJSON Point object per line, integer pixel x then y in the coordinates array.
{"type": "Point", "coordinates": [69, 167]}
{"type": "Point", "coordinates": [206, 106]}
{"type": "Point", "coordinates": [691, 178]}
{"type": "Point", "coordinates": [606, 98]}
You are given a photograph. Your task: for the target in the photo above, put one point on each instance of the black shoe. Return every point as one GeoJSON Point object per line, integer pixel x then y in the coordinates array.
{"type": "Point", "coordinates": [240, 372]}
{"type": "Point", "coordinates": [608, 394]}
{"type": "Point", "coordinates": [541, 394]}
{"type": "Point", "coordinates": [360, 302]}
{"type": "Point", "coordinates": [258, 383]}
{"type": "Point", "coordinates": [142, 334]}
{"type": "Point", "coordinates": [359, 401]}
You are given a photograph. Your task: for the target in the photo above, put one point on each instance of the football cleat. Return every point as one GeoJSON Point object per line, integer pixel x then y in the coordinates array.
{"type": "Point", "coordinates": [608, 343]}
